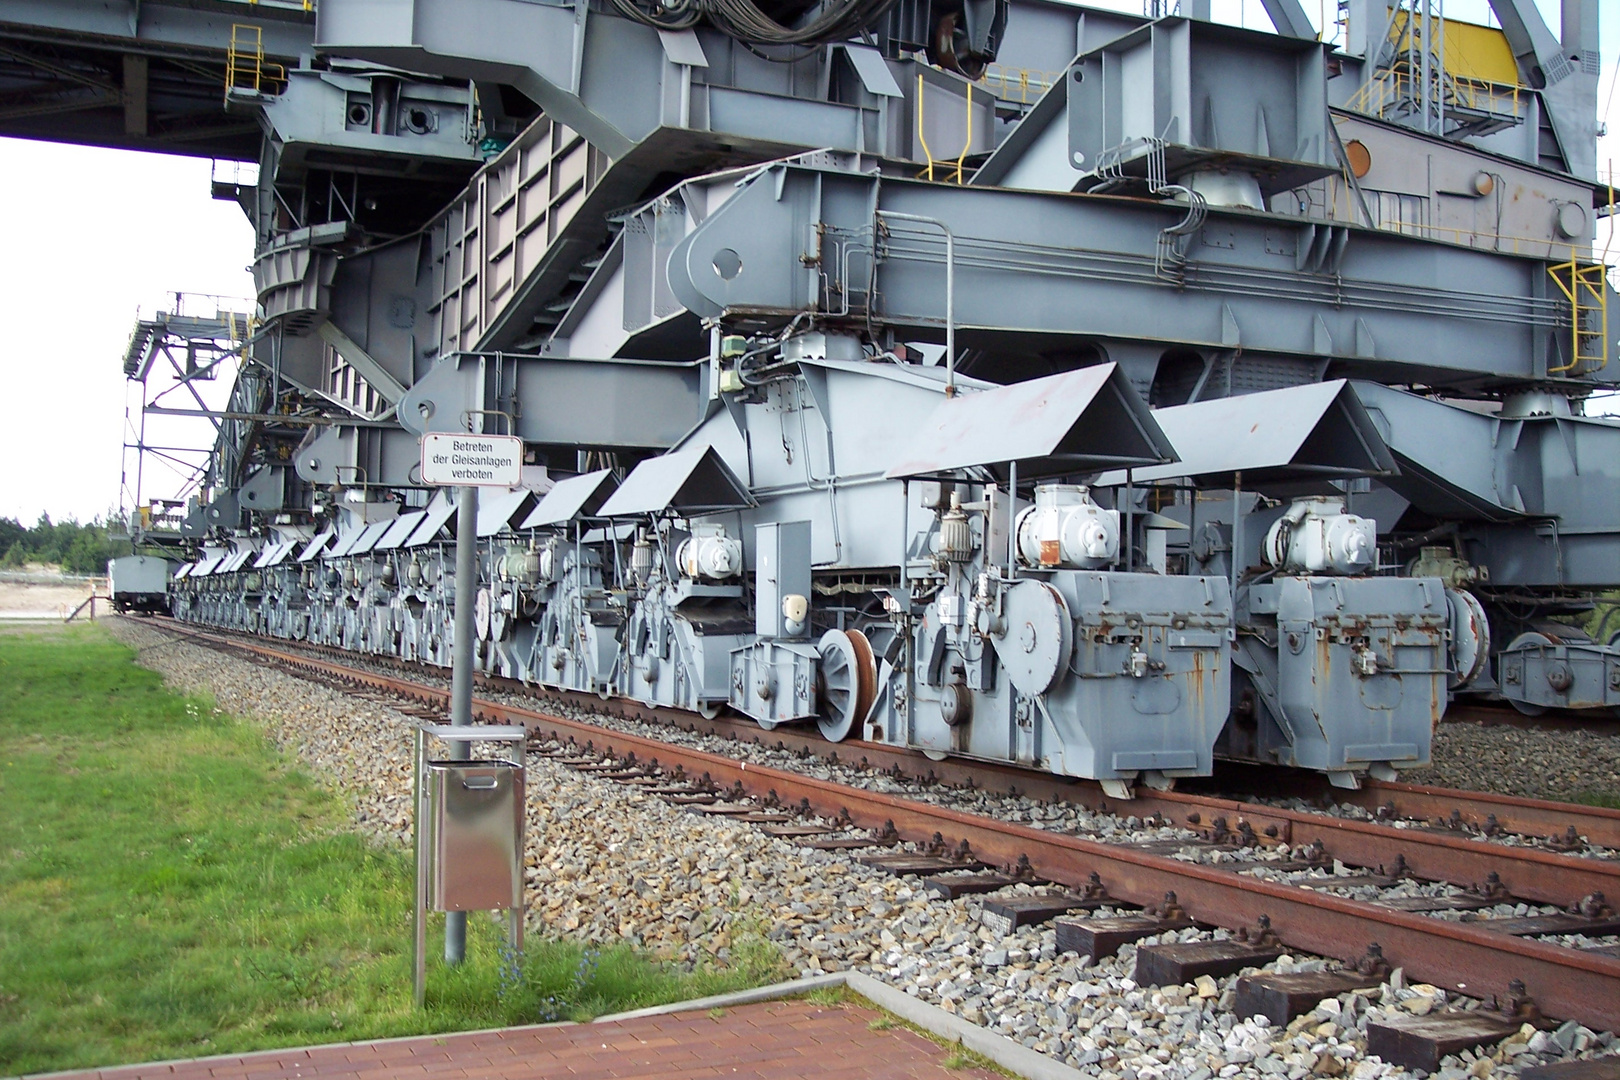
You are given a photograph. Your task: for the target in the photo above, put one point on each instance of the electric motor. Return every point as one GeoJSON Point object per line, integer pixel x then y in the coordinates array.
{"type": "Point", "coordinates": [1066, 528]}
{"type": "Point", "coordinates": [1316, 536]}
{"type": "Point", "coordinates": [955, 535]}
{"type": "Point", "coordinates": [641, 558]}
{"type": "Point", "coordinates": [521, 565]}
{"type": "Point", "coordinates": [709, 553]}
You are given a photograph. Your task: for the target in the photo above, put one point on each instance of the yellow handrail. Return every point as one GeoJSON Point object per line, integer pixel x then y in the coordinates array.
{"type": "Point", "coordinates": [967, 144]}
{"type": "Point", "coordinates": [245, 67]}
{"type": "Point", "coordinates": [1585, 289]}
{"type": "Point", "coordinates": [1017, 84]}
{"type": "Point", "coordinates": [1395, 84]}
{"type": "Point", "coordinates": [922, 137]}
{"type": "Point", "coordinates": [958, 172]}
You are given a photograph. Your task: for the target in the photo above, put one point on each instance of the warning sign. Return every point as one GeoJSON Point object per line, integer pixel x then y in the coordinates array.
{"type": "Point", "coordinates": [454, 459]}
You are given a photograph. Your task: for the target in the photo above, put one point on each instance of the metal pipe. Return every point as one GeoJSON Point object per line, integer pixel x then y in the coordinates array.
{"type": "Point", "coordinates": [1237, 527]}
{"type": "Point", "coordinates": [1130, 519]}
{"type": "Point", "coordinates": [1012, 520]}
{"type": "Point", "coordinates": [950, 289]}
{"type": "Point", "coordinates": [461, 673]}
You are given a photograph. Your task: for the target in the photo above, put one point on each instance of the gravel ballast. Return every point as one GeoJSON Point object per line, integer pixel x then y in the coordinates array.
{"type": "Point", "coordinates": [607, 862]}
{"type": "Point", "coordinates": [1534, 763]}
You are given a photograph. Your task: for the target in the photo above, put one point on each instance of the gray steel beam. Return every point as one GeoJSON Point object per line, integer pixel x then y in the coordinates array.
{"type": "Point", "coordinates": [1289, 18]}
{"type": "Point", "coordinates": [158, 28]}
{"type": "Point", "coordinates": [376, 376]}
{"type": "Point", "coordinates": [562, 401]}
{"type": "Point", "coordinates": [1561, 71]}
{"type": "Point", "coordinates": [1057, 266]}
{"type": "Point", "coordinates": [346, 455]}
{"type": "Point", "coordinates": [612, 80]}
{"type": "Point", "coordinates": [1540, 493]}
{"type": "Point", "coordinates": [265, 418]}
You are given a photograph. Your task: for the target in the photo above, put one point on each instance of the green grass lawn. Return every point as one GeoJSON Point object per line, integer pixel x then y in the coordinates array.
{"type": "Point", "coordinates": [171, 886]}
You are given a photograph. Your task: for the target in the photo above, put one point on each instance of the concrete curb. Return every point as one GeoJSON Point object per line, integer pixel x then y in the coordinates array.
{"type": "Point", "coordinates": [1012, 1056]}
{"type": "Point", "coordinates": [793, 988]}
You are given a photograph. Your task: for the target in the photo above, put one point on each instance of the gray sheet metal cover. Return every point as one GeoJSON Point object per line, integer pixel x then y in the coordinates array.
{"type": "Point", "coordinates": [313, 548]}
{"type": "Point", "coordinates": [1039, 419]}
{"type": "Point", "coordinates": [692, 479]}
{"type": "Point", "coordinates": [1313, 430]}
{"type": "Point", "coordinates": [496, 508]}
{"type": "Point", "coordinates": [399, 531]}
{"type": "Point", "coordinates": [569, 498]}
{"type": "Point", "coordinates": [440, 510]}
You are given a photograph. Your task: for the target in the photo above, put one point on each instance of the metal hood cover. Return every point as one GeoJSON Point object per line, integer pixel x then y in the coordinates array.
{"type": "Point", "coordinates": [1077, 422]}
{"type": "Point", "coordinates": [440, 509]}
{"type": "Point", "coordinates": [582, 494]}
{"type": "Point", "coordinates": [1300, 435]}
{"type": "Point", "coordinates": [400, 531]}
{"type": "Point", "coordinates": [691, 480]}
{"type": "Point", "coordinates": [498, 508]}
{"type": "Point", "coordinates": [319, 541]}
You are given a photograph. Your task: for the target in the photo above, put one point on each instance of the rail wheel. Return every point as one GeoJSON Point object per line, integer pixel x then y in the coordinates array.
{"type": "Point", "coordinates": [1529, 637]}
{"type": "Point", "coordinates": [848, 677]}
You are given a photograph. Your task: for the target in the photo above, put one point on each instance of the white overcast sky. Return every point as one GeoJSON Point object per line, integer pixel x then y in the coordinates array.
{"type": "Point", "coordinates": [92, 238]}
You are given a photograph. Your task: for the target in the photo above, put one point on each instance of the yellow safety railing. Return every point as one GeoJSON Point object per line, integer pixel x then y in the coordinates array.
{"type": "Point", "coordinates": [1584, 286]}
{"type": "Point", "coordinates": [1023, 85]}
{"type": "Point", "coordinates": [241, 343]}
{"type": "Point", "coordinates": [245, 68]}
{"type": "Point", "coordinates": [952, 172]}
{"type": "Point", "coordinates": [1392, 86]}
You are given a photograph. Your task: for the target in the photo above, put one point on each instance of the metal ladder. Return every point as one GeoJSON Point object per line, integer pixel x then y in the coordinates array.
{"type": "Point", "coordinates": [1584, 286]}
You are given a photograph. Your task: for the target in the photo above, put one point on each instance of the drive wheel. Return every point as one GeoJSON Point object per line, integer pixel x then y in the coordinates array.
{"type": "Point", "coordinates": [848, 683]}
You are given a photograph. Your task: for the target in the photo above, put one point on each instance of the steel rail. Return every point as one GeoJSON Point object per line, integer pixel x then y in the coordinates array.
{"type": "Point", "coordinates": [1528, 873]}
{"type": "Point", "coordinates": [1465, 957]}
{"type": "Point", "coordinates": [1532, 817]}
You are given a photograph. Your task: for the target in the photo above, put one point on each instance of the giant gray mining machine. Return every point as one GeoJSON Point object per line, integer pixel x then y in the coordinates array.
{"type": "Point", "coordinates": [1018, 380]}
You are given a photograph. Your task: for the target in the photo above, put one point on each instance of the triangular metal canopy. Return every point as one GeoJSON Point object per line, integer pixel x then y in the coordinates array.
{"type": "Point", "coordinates": [369, 537]}
{"type": "Point", "coordinates": [439, 510]}
{"type": "Point", "coordinates": [1076, 422]}
{"type": "Point", "coordinates": [317, 543]}
{"type": "Point", "coordinates": [497, 508]}
{"type": "Point", "coordinates": [1292, 440]}
{"type": "Point", "coordinates": [582, 494]}
{"type": "Point", "coordinates": [691, 480]}
{"type": "Point", "coordinates": [400, 531]}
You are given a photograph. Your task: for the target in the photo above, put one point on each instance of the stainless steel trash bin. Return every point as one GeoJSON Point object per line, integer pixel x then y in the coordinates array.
{"type": "Point", "coordinates": [475, 815]}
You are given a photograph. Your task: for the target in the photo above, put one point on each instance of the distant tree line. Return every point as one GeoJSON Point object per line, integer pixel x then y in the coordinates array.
{"type": "Point", "coordinates": [76, 548]}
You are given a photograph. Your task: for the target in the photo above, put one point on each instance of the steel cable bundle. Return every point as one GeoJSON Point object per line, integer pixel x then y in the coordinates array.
{"type": "Point", "coordinates": [743, 20]}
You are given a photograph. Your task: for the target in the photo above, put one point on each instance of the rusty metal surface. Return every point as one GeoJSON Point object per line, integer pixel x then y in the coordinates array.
{"type": "Point", "coordinates": [1566, 983]}
{"type": "Point", "coordinates": [1534, 817]}
{"type": "Point", "coordinates": [1457, 956]}
{"type": "Point", "coordinates": [1528, 873]}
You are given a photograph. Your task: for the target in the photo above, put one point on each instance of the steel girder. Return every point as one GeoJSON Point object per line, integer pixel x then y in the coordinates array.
{"type": "Point", "coordinates": [800, 236]}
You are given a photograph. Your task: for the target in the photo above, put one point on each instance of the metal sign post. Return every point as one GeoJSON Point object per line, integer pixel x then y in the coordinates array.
{"type": "Point", "coordinates": [461, 665]}
{"type": "Point", "coordinates": [468, 833]}
{"type": "Point", "coordinates": [468, 460]}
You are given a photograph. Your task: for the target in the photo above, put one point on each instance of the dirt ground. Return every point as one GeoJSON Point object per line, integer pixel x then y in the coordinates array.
{"type": "Point", "coordinates": [18, 600]}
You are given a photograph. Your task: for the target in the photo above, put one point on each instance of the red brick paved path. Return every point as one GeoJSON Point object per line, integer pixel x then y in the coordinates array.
{"type": "Point", "coordinates": [770, 1040]}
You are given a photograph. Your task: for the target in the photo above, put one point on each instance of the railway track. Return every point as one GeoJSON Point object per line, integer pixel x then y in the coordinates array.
{"type": "Point", "coordinates": [1494, 849]}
